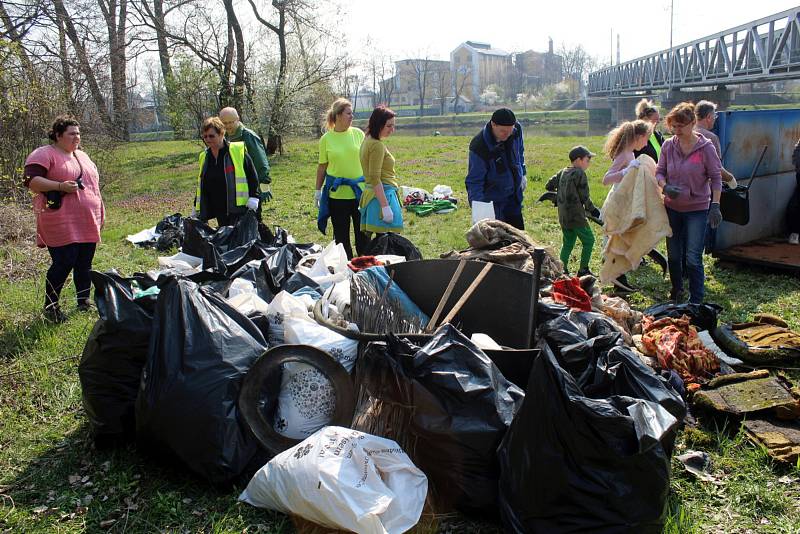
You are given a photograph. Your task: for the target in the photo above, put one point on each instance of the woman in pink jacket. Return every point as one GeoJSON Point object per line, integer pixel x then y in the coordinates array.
{"type": "Point", "coordinates": [69, 212]}
{"type": "Point", "coordinates": [689, 172]}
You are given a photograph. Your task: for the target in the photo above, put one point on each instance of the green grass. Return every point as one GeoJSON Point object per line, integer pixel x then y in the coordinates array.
{"type": "Point", "coordinates": [53, 480]}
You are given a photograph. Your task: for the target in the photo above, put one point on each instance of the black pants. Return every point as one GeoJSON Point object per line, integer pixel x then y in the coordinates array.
{"type": "Point", "coordinates": [342, 212]}
{"type": "Point", "coordinates": [75, 257]}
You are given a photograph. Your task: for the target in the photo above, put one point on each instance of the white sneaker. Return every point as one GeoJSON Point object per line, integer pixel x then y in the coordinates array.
{"type": "Point", "coordinates": [794, 239]}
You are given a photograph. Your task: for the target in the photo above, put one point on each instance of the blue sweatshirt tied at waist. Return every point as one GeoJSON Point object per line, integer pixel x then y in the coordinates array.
{"type": "Point", "coordinates": [331, 184]}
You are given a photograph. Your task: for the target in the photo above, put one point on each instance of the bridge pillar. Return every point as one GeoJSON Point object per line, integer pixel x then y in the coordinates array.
{"type": "Point", "coordinates": [721, 96]}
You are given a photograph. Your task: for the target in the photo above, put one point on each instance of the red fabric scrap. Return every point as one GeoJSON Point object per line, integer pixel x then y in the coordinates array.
{"type": "Point", "coordinates": [363, 262]}
{"type": "Point", "coordinates": [676, 345]}
{"type": "Point", "coordinates": [569, 291]}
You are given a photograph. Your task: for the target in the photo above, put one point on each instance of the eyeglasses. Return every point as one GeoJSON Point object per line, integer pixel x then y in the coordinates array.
{"type": "Point", "coordinates": [209, 136]}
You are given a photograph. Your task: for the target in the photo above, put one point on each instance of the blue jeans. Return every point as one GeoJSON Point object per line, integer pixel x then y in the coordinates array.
{"type": "Point", "coordinates": [688, 238]}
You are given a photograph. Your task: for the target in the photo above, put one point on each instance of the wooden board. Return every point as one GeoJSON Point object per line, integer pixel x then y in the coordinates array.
{"type": "Point", "coordinates": [771, 252]}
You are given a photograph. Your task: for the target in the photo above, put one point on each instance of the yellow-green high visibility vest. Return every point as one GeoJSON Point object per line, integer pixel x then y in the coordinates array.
{"type": "Point", "coordinates": [656, 145]}
{"type": "Point", "coordinates": [237, 151]}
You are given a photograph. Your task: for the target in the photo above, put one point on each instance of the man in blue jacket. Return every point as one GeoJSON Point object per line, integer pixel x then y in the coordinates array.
{"type": "Point", "coordinates": [497, 170]}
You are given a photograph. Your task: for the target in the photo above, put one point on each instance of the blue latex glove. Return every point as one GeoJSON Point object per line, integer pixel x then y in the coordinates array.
{"type": "Point", "coordinates": [714, 215]}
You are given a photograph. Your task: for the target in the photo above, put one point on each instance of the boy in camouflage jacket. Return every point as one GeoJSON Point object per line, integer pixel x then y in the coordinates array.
{"type": "Point", "coordinates": [572, 192]}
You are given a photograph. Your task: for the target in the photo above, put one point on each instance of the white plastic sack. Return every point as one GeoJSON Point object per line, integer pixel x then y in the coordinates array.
{"type": "Point", "coordinates": [330, 266]}
{"type": "Point", "coordinates": [239, 286]}
{"type": "Point", "coordinates": [282, 306]}
{"type": "Point", "coordinates": [307, 400]}
{"type": "Point", "coordinates": [302, 332]}
{"type": "Point", "coordinates": [442, 191]}
{"type": "Point", "coordinates": [247, 303]}
{"type": "Point", "coordinates": [343, 479]}
{"type": "Point", "coordinates": [145, 235]}
{"type": "Point", "coordinates": [167, 261]}
{"type": "Point", "coordinates": [482, 210]}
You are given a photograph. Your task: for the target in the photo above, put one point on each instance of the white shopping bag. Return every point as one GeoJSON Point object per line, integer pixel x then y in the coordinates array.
{"type": "Point", "coordinates": [482, 210]}
{"type": "Point", "coordinates": [307, 400]}
{"type": "Point", "coordinates": [343, 479]}
{"type": "Point", "coordinates": [283, 306]}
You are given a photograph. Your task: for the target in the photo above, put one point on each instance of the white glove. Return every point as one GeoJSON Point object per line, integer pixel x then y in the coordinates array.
{"type": "Point", "coordinates": [252, 203]}
{"type": "Point", "coordinates": [194, 213]}
{"type": "Point", "coordinates": [388, 215]}
{"type": "Point", "coordinates": [634, 164]}
{"type": "Point", "coordinates": [317, 196]}
{"type": "Point", "coordinates": [523, 183]}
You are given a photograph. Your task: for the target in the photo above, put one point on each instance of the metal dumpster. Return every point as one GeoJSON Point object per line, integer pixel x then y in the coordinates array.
{"type": "Point", "coordinates": [745, 133]}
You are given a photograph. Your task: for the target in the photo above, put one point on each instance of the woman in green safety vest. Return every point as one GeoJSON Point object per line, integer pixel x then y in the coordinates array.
{"type": "Point", "coordinates": [227, 183]}
{"type": "Point", "coordinates": [647, 111]}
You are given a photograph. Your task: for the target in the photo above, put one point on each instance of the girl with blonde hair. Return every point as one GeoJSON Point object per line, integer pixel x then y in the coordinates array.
{"type": "Point", "coordinates": [619, 147]}
{"type": "Point", "coordinates": [339, 177]}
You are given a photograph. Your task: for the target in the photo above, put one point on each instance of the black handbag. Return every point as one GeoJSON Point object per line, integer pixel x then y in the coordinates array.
{"type": "Point", "coordinates": [53, 198]}
{"type": "Point", "coordinates": [735, 203]}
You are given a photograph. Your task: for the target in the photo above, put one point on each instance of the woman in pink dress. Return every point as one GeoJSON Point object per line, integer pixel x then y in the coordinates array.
{"type": "Point", "coordinates": [69, 211]}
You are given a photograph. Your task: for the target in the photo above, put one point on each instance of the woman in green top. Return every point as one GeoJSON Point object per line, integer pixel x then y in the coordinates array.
{"type": "Point", "coordinates": [339, 177]}
{"type": "Point", "coordinates": [381, 209]}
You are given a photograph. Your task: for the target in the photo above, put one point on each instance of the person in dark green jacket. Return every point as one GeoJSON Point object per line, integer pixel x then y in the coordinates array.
{"type": "Point", "coordinates": [236, 131]}
{"type": "Point", "coordinates": [572, 192]}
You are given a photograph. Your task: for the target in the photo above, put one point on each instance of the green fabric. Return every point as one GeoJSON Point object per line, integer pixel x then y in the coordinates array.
{"type": "Point", "coordinates": [572, 194]}
{"type": "Point", "coordinates": [255, 149]}
{"type": "Point", "coordinates": [434, 206]}
{"type": "Point", "coordinates": [586, 236]}
{"type": "Point", "coordinates": [340, 150]}
{"type": "Point", "coordinates": [656, 145]}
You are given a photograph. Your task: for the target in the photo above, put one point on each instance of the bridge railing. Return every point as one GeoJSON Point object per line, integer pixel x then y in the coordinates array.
{"type": "Point", "coordinates": [767, 49]}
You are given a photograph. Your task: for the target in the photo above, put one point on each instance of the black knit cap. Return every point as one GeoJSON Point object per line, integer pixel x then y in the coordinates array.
{"type": "Point", "coordinates": [504, 117]}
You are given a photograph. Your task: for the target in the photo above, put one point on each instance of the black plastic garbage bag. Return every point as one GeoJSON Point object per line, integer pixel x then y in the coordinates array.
{"type": "Point", "coordinates": [200, 350]}
{"type": "Point", "coordinates": [590, 452]}
{"type": "Point", "coordinates": [171, 230]}
{"type": "Point", "coordinates": [114, 355]}
{"type": "Point", "coordinates": [391, 243]}
{"type": "Point", "coordinates": [703, 316]}
{"type": "Point", "coordinates": [199, 236]}
{"type": "Point", "coordinates": [462, 406]}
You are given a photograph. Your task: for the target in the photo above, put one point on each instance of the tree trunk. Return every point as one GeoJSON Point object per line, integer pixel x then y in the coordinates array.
{"type": "Point", "coordinates": [85, 66]}
{"type": "Point", "coordinates": [116, 18]}
{"type": "Point", "coordinates": [160, 25]}
{"type": "Point", "coordinates": [238, 82]}
{"type": "Point", "coordinates": [63, 56]}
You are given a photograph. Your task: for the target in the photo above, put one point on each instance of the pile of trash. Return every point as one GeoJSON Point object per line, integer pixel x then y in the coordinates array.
{"type": "Point", "coordinates": [355, 394]}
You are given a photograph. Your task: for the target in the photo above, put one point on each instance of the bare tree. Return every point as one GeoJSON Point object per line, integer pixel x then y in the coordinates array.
{"type": "Point", "coordinates": [577, 63]}
{"type": "Point", "coordinates": [115, 15]}
{"type": "Point", "coordinates": [422, 73]}
{"type": "Point", "coordinates": [460, 77]}
{"type": "Point", "coordinates": [84, 64]}
{"type": "Point", "coordinates": [442, 85]}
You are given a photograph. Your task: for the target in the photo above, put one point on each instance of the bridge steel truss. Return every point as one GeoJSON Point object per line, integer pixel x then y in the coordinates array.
{"type": "Point", "coordinates": [764, 50]}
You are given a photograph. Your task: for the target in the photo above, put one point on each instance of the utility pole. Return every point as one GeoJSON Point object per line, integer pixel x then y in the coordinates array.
{"type": "Point", "coordinates": [671, 51]}
{"type": "Point", "coordinates": [618, 57]}
{"type": "Point", "coordinates": [612, 47]}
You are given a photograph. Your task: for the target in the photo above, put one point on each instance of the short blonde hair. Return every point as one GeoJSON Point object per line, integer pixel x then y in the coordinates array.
{"type": "Point", "coordinates": [645, 108]}
{"type": "Point", "coordinates": [335, 110]}
{"type": "Point", "coordinates": [623, 136]}
{"type": "Point", "coordinates": [213, 123]}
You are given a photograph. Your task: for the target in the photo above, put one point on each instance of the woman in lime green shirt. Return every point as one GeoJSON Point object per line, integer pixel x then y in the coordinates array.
{"type": "Point", "coordinates": [340, 178]}
{"type": "Point", "coordinates": [381, 209]}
